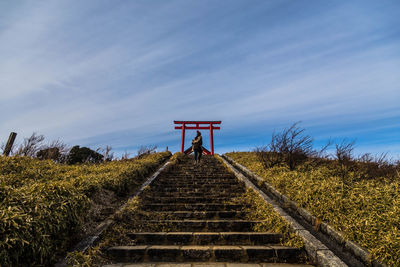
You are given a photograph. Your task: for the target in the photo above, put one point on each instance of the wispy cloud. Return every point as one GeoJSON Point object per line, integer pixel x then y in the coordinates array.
{"type": "Point", "coordinates": [97, 73]}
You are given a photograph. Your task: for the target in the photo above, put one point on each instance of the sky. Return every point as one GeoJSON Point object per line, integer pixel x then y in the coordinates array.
{"type": "Point", "coordinates": [118, 73]}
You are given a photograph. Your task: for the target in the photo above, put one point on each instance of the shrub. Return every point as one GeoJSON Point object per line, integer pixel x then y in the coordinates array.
{"type": "Point", "coordinates": [291, 147]}
{"type": "Point", "coordinates": [52, 153]}
{"type": "Point", "coordinates": [344, 157]}
{"type": "Point", "coordinates": [83, 155]}
{"type": "Point", "coordinates": [145, 150]}
{"type": "Point", "coordinates": [30, 146]}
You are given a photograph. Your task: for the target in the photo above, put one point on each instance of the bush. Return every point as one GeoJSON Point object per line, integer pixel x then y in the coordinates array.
{"type": "Point", "coordinates": [30, 146]}
{"type": "Point", "coordinates": [52, 153]}
{"type": "Point", "coordinates": [83, 155]}
{"type": "Point", "coordinates": [291, 147]}
{"type": "Point", "coordinates": [344, 157]}
{"type": "Point", "coordinates": [146, 150]}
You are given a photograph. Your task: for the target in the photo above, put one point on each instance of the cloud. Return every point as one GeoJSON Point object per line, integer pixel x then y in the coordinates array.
{"type": "Point", "coordinates": [119, 74]}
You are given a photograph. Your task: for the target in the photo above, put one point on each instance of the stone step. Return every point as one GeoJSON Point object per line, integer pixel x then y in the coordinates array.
{"type": "Point", "coordinates": [178, 200]}
{"type": "Point", "coordinates": [168, 187]}
{"type": "Point", "coordinates": [192, 207]}
{"type": "Point", "coordinates": [206, 176]}
{"type": "Point", "coordinates": [205, 238]}
{"type": "Point", "coordinates": [197, 178]}
{"type": "Point", "coordinates": [205, 264]}
{"type": "Point", "coordinates": [203, 189]}
{"type": "Point", "coordinates": [200, 214]}
{"type": "Point", "coordinates": [202, 225]}
{"type": "Point", "coordinates": [196, 182]}
{"type": "Point", "coordinates": [176, 253]}
{"type": "Point", "coordinates": [199, 184]}
{"type": "Point", "coordinates": [194, 194]}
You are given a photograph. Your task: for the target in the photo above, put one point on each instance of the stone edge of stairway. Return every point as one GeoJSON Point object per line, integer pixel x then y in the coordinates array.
{"type": "Point", "coordinates": [317, 251]}
{"type": "Point", "coordinates": [91, 240]}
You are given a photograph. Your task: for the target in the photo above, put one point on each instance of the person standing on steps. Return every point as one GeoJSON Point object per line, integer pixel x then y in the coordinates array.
{"type": "Point", "coordinates": [197, 143]}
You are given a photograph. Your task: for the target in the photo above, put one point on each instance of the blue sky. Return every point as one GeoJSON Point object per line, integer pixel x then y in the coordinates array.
{"type": "Point", "coordinates": [118, 73]}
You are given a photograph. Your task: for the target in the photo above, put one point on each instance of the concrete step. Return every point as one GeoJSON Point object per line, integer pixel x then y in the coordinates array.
{"type": "Point", "coordinates": [176, 253]}
{"type": "Point", "coordinates": [202, 225]}
{"type": "Point", "coordinates": [192, 207]}
{"type": "Point", "coordinates": [205, 238]}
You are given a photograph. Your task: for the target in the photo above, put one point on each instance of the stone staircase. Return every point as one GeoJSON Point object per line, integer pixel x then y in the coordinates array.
{"type": "Point", "coordinates": [191, 214]}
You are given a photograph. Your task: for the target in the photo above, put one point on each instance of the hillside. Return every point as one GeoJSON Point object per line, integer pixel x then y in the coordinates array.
{"type": "Point", "coordinates": [365, 210]}
{"type": "Point", "coordinates": [46, 206]}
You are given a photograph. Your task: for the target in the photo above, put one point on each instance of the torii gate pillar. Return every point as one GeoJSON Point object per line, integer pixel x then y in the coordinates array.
{"type": "Point", "coordinates": [195, 125]}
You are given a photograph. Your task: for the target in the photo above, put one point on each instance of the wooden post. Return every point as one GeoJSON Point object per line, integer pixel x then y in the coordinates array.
{"type": "Point", "coordinates": [10, 143]}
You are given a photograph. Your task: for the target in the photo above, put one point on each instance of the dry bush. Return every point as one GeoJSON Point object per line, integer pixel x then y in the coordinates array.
{"type": "Point", "coordinates": [146, 150]}
{"type": "Point", "coordinates": [30, 146]}
{"type": "Point", "coordinates": [108, 156]}
{"type": "Point", "coordinates": [126, 155]}
{"type": "Point", "coordinates": [291, 147]}
{"type": "Point", "coordinates": [380, 165]}
{"type": "Point", "coordinates": [344, 157]}
{"type": "Point", "coordinates": [55, 150]}
{"type": "Point", "coordinates": [2, 147]}
{"type": "Point", "coordinates": [106, 152]}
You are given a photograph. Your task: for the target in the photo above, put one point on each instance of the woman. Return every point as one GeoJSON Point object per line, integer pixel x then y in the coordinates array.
{"type": "Point", "coordinates": [197, 143]}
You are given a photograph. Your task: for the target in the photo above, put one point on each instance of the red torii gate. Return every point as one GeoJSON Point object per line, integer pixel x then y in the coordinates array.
{"type": "Point", "coordinates": [195, 125]}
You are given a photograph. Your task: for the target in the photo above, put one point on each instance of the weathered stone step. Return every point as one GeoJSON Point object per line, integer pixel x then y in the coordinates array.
{"type": "Point", "coordinates": [167, 200]}
{"type": "Point", "coordinates": [205, 238]}
{"type": "Point", "coordinates": [204, 188]}
{"type": "Point", "coordinates": [198, 176]}
{"type": "Point", "coordinates": [176, 253]}
{"type": "Point", "coordinates": [202, 178]}
{"type": "Point", "coordinates": [200, 214]}
{"type": "Point", "coordinates": [168, 187]}
{"type": "Point", "coordinates": [191, 190]}
{"type": "Point", "coordinates": [192, 207]}
{"type": "Point", "coordinates": [196, 182]}
{"type": "Point", "coordinates": [199, 183]}
{"type": "Point", "coordinates": [205, 264]}
{"type": "Point", "coordinates": [195, 194]}
{"type": "Point", "coordinates": [203, 225]}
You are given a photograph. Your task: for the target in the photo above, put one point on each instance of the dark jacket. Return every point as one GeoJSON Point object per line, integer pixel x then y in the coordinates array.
{"type": "Point", "coordinates": [197, 143]}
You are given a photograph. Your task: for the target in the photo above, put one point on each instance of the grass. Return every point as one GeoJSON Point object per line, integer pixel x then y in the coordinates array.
{"type": "Point", "coordinates": [44, 206]}
{"type": "Point", "coordinates": [366, 211]}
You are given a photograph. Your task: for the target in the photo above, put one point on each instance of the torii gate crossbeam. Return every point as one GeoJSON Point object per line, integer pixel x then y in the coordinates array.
{"type": "Point", "coordinates": [195, 125]}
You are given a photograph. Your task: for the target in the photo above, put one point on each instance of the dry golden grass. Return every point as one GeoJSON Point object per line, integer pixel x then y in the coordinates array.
{"type": "Point", "coordinates": [365, 211]}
